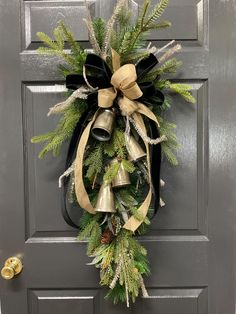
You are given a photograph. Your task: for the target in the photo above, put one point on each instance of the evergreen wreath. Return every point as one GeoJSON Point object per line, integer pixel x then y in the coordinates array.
{"type": "Point", "coordinates": [117, 97]}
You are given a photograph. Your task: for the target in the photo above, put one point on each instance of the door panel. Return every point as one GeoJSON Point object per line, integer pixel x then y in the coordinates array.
{"type": "Point", "coordinates": [72, 12]}
{"type": "Point", "coordinates": [191, 240]}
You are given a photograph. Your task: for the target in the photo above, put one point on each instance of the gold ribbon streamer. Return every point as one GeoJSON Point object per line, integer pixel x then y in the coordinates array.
{"type": "Point", "coordinates": [133, 223]}
{"type": "Point", "coordinates": [80, 191]}
{"type": "Point", "coordinates": [123, 79]}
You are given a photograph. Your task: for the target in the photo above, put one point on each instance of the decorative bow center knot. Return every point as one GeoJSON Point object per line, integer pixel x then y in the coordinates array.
{"type": "Point", "coordinates": [124, 80]}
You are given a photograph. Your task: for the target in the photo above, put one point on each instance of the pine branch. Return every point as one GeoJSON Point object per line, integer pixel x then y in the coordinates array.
{"type": "Point", "coordinates": [136, 214]}
{"type": "Point", "coordinates": [92, 232]}
{"type": "Point", "coordinates": [156, 12]}
{"type": "Point", "coordinates": [95, 238]}
{"type": "Point", "coordinates": [94, 161]}
{"type": "Point", "coordinates": [122, 25]}
{"type": "Point", "coordinates": [129, 275]}
{"type": "Point", "coordinates": [64, 70]}
{"type": "Point", "coordinates": [85, 233]}
{"type": "Point", "coordinates": [128, 165]}
{"type": "Point", "coordinates": [106, 275]}
{"type": "Point", "coordinates": [111, 172]}
{"type": "Point", "coordinates": [136, 56]}
{"type": "Point", "coordinates": [169, 154]}
{"type": "Point", "coordinates": [99, 27]}
{"type": "Point", "coordinates": [127, 198]}
{"type": "Point", "coordinates": [143, 13]}
{"type": "Point", "coordinates": [56, 47]}
{"type": "Point", "coordinates": [184, 91]}
{"type": "Point", "coordinates": [63, 131]}
{"type": "Point", "coordinates": [69, 37]}
{"type": "Point", "coordinates": [160, 25]}
{"type": "Point", "coordinates": [170, 66]}
{"type": "Point", "coordinates": [85, 219]}
{"type": "Point", "coordinates": [117, 294]}
{"type": "Point", "coordinates": [171, 145]}
{"type": "Point", "coordinates": [162, 84]}
{"type": "Point", "coordinates": [59, 38]}
{"type": "Point", "coordinates": [116, 146]}
{"type": "Point", "coordinates": [133, 37]}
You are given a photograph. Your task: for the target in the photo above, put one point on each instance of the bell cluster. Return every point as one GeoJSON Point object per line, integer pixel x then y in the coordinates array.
{"type": "Point", "coordinates": [102, 130]}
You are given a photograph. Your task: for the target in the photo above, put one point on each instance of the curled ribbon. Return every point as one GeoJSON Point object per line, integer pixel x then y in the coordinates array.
{"type": "Point", "coordinates": [131, 101]}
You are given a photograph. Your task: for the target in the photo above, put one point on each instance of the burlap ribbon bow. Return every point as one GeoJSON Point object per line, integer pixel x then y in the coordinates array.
{"type": "Point", "coordinates": [124, 84]}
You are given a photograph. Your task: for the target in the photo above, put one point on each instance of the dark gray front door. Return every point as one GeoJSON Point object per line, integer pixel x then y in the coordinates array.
{"type": "Point", "coordinates": [191, 244]}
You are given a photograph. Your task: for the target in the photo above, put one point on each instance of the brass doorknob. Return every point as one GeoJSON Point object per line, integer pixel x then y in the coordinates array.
{"type": "Point", "coordinates": [12, 267]}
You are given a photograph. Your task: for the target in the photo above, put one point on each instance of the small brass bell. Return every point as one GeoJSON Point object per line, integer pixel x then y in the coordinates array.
{"type": "Point", "coordinates": [103, 125]}
{"type": "Point", "coordinates": [105, 202]}
{"type": "Point", "coordinates": [122, 178]}
{"type": "Point", "coordinates": [134, 149]}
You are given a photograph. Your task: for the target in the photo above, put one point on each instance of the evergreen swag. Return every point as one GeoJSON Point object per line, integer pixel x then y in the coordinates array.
{"type": "Point", "coordinates": [122, 260]}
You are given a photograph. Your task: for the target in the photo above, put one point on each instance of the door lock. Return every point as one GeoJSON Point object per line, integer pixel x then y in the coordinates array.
{"type": "Point", "coordinates": [12, 267]}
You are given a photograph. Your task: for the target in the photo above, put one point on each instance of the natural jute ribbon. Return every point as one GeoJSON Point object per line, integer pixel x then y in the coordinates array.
{"type": "Point", "coordinates": [124, 80]}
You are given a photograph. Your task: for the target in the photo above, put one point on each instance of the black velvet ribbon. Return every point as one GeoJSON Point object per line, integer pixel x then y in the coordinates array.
{"type": "Point", "coordinates": [99, 76]}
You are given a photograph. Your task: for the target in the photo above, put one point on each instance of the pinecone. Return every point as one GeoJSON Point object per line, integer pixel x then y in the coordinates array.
{"type": "Point", "coordinates": [107, 237]}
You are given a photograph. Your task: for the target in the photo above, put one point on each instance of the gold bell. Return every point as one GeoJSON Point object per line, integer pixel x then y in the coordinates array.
{"type": "Point", "coordinates": [134, 149]}
{"type": "Point", "coordinates": [105, 202]}
{"type": "Point", "coordinates": [122, 178]}
{"type": "Point", "coordinates": [103, 126]}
